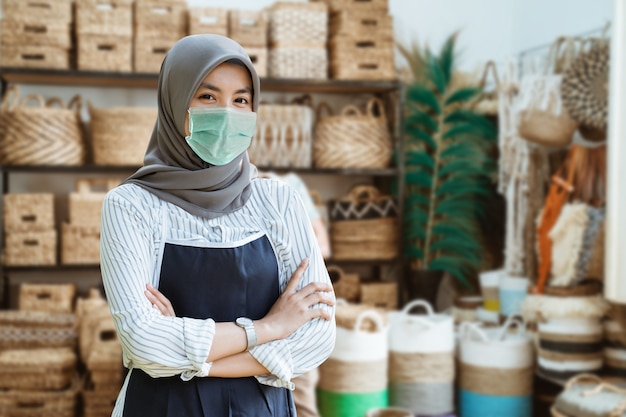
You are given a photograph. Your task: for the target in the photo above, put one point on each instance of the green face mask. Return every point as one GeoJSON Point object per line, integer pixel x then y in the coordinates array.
{"type": "Point", "coordinates": [220, 134]}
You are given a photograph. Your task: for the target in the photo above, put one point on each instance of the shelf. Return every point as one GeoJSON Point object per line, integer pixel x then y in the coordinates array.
{"type": "Point", "coordinates": [389, 172]}
{"type": "Point", "coordinates": [135, 80]}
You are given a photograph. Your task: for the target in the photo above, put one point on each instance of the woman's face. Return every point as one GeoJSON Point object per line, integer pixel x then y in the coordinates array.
{"type": "Point", "coordinates": [228, 85]}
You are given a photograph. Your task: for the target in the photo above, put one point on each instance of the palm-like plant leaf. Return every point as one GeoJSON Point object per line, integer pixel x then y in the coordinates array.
{"type": "Point", "coordinates": [448, 167]}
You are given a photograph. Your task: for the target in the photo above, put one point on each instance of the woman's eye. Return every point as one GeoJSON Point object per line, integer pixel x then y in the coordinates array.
{"type": "Point", "coordinates": [241, 100]}
{"type": "Point", "coordinates": [207, 97]}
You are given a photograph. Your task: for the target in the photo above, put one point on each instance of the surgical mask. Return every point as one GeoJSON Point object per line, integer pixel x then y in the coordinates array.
{"type": "Point", "coordinates": [219, 134]}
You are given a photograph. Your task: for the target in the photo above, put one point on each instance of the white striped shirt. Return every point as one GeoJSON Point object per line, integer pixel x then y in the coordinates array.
{"type": "Point", "coordinates": [135, 227]}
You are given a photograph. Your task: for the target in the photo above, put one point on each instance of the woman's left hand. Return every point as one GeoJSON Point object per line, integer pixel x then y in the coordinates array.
{"type": "Point", "coordinates": [159, 301]}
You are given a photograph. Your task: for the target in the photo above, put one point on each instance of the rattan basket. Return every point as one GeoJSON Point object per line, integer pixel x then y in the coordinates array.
{"type": "Point", "coordinates": [248, 27]}
{"type": "Point", "coordinates": [29, 403]}
{"type": "Point", "coordinates": [116, 19]}
{"type": "Point", "coordinates": [28, 212]}
{"type": "Point", "coordinates": [35, 56]}
{"type": "Point", "coordinates": [99, 403]}
{"type": "Point", "coordinates": [40, 10]}
{"type": "Point", "coordinates": [80, 245]}
{"type": "Point", "coordinates": [361, 59]}
{"type": "Point", "coordinates": [37, 369]}
{"type": "Point", "coordinates": [353, 138]}
{"type": "Point", "coordinates": [364, 225]}
{"type": "Point", "coordinates": [373, 7]}
{"type": "Point", "coordinates": [120, 135]}
{"type": "Point", "coordinates": [355, 25]}
{"type": "Point", "coordinates": [149, 53]}
{"type": "Point", "coordinates": [85, 204]}
{"type": "Point", "coordinates": [27, 330]}
{"type": "Point", "coordinates": [51, 298]}
{"type": "Point", "coordinates": [160, 19]}
{"type": "Point", "coordinates": [51, 33]}
{"type": "Point", "coordinates": [102, 52]}
{"type": "Point", "coordinates": [298, 24]}
{"type": "Point", "coordinates": [30, 248]}
{"type": "Point", "coordinates": [346, 285]}
{"type": "Point", "coordinates": [380, 294]}
{"type": "Point", "coordinates": [283, 136]}
{"type": "Point", "coordinates": [54, 133]}
{"type": "Point", "coordinates": [208, 20]}
{"type": "Point", "coordinates": [298, 62]}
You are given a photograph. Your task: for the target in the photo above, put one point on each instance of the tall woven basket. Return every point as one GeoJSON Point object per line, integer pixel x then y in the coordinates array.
{"type": "Point", "coordinates": [353, 138]}
{"type": "Point", "coordinates": [46, 133]}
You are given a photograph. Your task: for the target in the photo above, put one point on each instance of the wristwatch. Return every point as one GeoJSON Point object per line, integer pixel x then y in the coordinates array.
{"type": "Point", "coordinates": [248, 325]}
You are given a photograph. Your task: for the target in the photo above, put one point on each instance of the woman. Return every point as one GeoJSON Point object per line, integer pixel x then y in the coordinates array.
{"type": "Point", "coordinates": [215, 281]}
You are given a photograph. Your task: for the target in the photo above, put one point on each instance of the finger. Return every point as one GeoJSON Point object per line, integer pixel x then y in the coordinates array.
{"type": "Point", "coordinates": [295, 279]}
{"type": "Point", "coordinates": [317, 298]}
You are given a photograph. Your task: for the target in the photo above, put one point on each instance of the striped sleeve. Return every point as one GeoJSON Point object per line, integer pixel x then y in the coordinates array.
{"type": "Point", "coordinates": [161, 346]}
{"type": "Point", "coordinates": [312, 343]}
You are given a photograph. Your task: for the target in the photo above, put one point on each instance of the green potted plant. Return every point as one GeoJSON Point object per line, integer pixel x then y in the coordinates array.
{"type": "Point", "coordinates": [449, 173]}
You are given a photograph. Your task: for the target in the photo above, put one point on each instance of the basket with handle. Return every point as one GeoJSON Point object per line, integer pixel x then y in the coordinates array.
{"type": "Point", "coordinates": [353, 138]}
{"type": "Point", "coordinates": [587, 394]}
{"type": "Point", "coordinates": [346, 285]}
{"type": "Point", "coordinates": [85, 203]}
{"type": "Point", "coordinates": [48, 133]}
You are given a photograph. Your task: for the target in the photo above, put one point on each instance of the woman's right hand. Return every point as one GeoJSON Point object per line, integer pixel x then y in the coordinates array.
{"type": "Point", "coordinates": [293, 307]}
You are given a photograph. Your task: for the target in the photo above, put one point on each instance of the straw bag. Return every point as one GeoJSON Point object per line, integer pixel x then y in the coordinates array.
{"type": "Point", "coordinates": [364, 225]}
{"type": "Point", "coordinates": [120, 135]}
{"type": "Point", "coordinates": [543, 118]}
{"type": "Point", "coordinates": [49, 133]}
{"type": "Point", "coordinates": [589, 395]}
{"type": "Point", "coordinates": [283, 135]}
{"type": "Point", "coordinates": [352, 139]}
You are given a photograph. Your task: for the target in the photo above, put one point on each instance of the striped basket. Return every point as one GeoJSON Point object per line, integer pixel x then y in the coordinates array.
{"type": "Point", "coordinates": [614, 350]}
{"type": "Point", "coordinates": [354, 378]}
{"type": "Point", "coordinates": [353, 138]}
{"type": "Point", "coordinates": [49, 133]}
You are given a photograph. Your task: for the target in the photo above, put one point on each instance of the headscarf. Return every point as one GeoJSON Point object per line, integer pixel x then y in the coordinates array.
{"type": "Point", "coordinates": [172, 170]}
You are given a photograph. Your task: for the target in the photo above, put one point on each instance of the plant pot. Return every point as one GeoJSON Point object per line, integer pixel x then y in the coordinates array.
{"type": "Point", "coordinates": [423, 284]}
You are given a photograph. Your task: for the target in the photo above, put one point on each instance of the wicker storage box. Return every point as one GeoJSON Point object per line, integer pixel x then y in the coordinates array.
{"type": "Point", "coordinates": [380, 294]}
{"type": "Point", "coordinates": [50, 298]}
{"type": "Point", "coordinates": [208, 20]}
{"type": "Point", "coordinates": [54, 135]}
{"type": "Point", "coordinates": [32, 32]}
{"type": "Point", "coordinates": [259, 57]}
{"type": "Point", "coordinates": [80, 245]}
{"type": "Point", "coordinates": [28, 403]}
{"type": "Point", "coordinates": [347, 286]}
{"type": "Point", "coordinates": [25, 212]}
{"type": "Point", "coordinates": [283, 136]}
{"type": "Point", "coordinates": [111, 53]}
{"type": "Point", "coordinates": [99, 403]}
{"type": "Point", "coordinates": [248, 27]}
{"type": "Point", "coordinates": [357, 6]}
{"type": "Point", "coordinates": [31, 248]}
{"type": "Point", "coordinates": [353, 138]}
{"type": "Point", "coordinates": [37, 369]}
{"type": "Point", "coordinates": [298, 24]}
{"type": "Point", "coordinates": [362, 59]}
{"type": "Point", "coordinates": [149, 53]}
{"type": "Point", "coordinates": [161, 19]}
{"type": "Point", "coordinates": [85, 204]}
{"type": "Point", "coordinates": [104, 17]}
{"type": "Point", "coordinates": [36, 329]}
{"type": "Point", "coordinates": [353, 25]}
{"type": "Point", "coordinates": [298, 62]}
{"type": "Point", "coordinates": [34, 56]}
{"type": "Point", "coordinates": [364, 225]}
{"type": "Point", "coordinates": [40, 10]}
{"type": "Point", "coordinates": [120, 135]}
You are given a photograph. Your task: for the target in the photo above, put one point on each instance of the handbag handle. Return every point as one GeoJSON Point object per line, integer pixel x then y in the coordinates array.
{"type": "Point", "coordinates": [368, 314]}
{"type": "Point", "coordinates": [511, 320]}
{"type": "Point", "coordinates": [468, 327]}
{"type": "Point", "coordinates": [351, 110]}
{"type": "Point", "coordinates": [51, 102]}
{"type": "Point", "coordinates": [423, 303]}
{"type": "Point", "coordinates": [374, 106]}
{"type": "Point", "coordinates": [27, 99]}
{"type": "Point", "coordinates": [337, 269]}
{"type": "Point", "coordinates": [11, 98]}
{"type": "Point", "coordinates": [363, 193]}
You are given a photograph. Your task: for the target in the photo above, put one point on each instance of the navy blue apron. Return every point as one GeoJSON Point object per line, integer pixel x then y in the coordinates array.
{"type": "Point", "coordinates": [222, 283]}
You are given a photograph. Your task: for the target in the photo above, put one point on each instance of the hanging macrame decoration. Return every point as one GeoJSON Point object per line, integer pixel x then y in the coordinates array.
{"type": "Point", "coordinates": [584, 88]}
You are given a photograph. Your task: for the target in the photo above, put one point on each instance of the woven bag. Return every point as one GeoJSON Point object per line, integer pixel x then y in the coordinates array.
{"type": "Point", "coordinates": [587, 395]}
{"type": "Point", "coordinates": [364, 225]}
{"type": "Point", "coordinates": [49, 133]}
{"type": "Point", "coordinates": [352, 139]}
{"type": "Point", "coordinates": [283, 135]}
{"type": "Point", "coordinates": [120, 135]}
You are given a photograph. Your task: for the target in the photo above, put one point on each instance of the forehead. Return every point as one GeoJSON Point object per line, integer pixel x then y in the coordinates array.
{"type": "Point", "coordinates": [228, 75]}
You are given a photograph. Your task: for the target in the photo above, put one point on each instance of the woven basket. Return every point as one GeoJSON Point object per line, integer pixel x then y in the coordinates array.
{"type": "Point", "coordinates": [120, 135]}
{"type": "Point", "coordinates": [298, 24]}
{"type": "Point", "coordinates": [360, 25]}
{"type": "Point", "coordinates": [352, 139]}
{"type": "Point", "coordinates": [52, 33]}
{"type": "Point", "coordinates": [259, 57]}
{"type": "Point", "coordinates": [54, 135]}
{"type": "Point", "coordinates": [97, 17]}
{"type": "Point", "coordinates": [28, 403]}
{"type": "Point", "coordinates": [380, 294]}
{"type": "Point", "coordinates": [346, 314]}
{"type": "Point", "coordinates": [51, 298]}
{"type": "Point", "coordinates": [160, 19]}
{"type": "Point", "coordinates": [99, 403]}
{"type": "Point", "coordinates": [208, 20]}
{"type": "Point", "coordinates": [346, 285]}
{"type": "Point", "coordinates": [149, 53]}
{"type": "Point", "coordinates": [283, 136]}
{"type": "Point", "coordinates": [28, 330]}
{"type": "Point", "coordinates": [80, 245]}
{"type": "Point", "coordinates": [40, 10]}
{"type": "Point", "coordinates": [35, 56]}
{"type": "Point", "coordinates": [362, 59]}
{"type": "Point", "coordinates": [28, 212]}
{"type": "Point", "coordinates": [37, 369]}
{"type": "Point", "coordinates": [248, 27]}
{"type": "Point", "coordinates": [31, 248]}
{"type": "Point", "coordinates": [298, 62]}
{"type": "Point", "coordinates": [374, 7]}
{"type": "Point", "coordinates": [111, 53]}
{"type": "Point", "coordinates": [364, 225]}
{"type": "Point", "coordinates": [85, 204]}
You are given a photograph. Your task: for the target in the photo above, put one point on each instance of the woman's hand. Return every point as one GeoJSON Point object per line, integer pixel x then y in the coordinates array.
{"type": "Point", "coordinates": [293, 307]}
{"type": "Point", "coordinates": [159, 301]}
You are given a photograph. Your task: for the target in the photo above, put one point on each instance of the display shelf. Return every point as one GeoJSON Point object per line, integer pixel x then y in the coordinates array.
{"type": "Point", "coordinates": [136, 80]}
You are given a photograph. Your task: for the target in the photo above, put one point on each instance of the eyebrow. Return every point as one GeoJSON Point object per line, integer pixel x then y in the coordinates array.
{"type": "Point", "coordinates": [209, 86]}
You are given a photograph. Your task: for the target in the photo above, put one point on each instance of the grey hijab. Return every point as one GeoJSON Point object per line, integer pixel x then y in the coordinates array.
{"type": "Point", "coordinates": [171, 169]}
